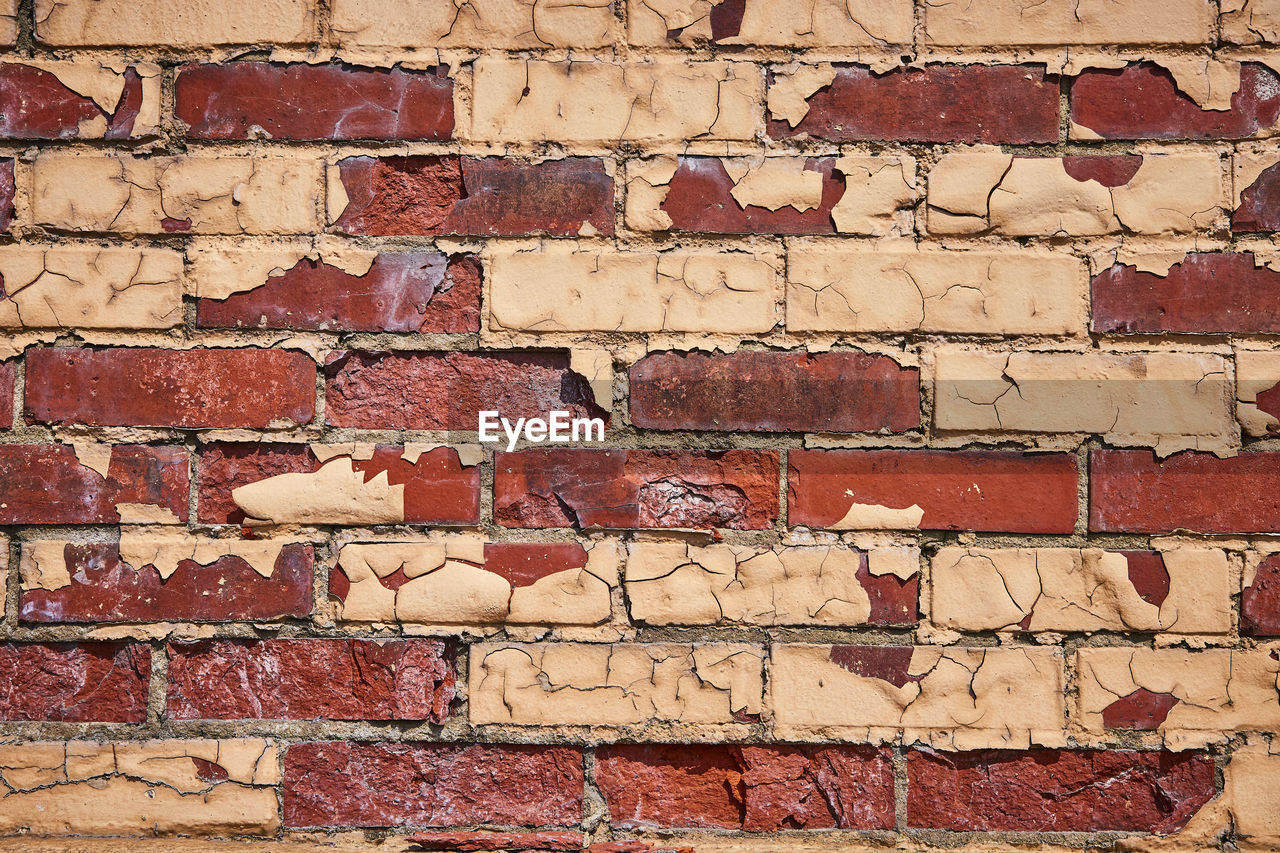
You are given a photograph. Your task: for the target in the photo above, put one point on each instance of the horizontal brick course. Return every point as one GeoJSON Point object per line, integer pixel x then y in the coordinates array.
{"type": "Point", "coordinates": [90, 682]}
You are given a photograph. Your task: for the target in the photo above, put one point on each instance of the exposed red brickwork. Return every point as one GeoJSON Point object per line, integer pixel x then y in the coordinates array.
{"type": "Point", "coordinates": [1259, 208]}
{"type": "Point", "coordinates": [1132, 491]}
{"type": "Point", "coordinates": [1056, 790]}
{"type": "Point", "coordinates": [8, 375]}
{"type": "Point", "coordinates": [35, 104]}
{"type": "Point", "coordinates": [310, 679]}
{"type": "Point", "coordinates": [525, 563]}
{"type": "Point", "coordinates": [1142, 101]}
{"type": "Point", "coordinates": [937, 103]}
{"type": "Point", "coordinates": [401, 292]}
{"type": "Point", "coordinates": [775, 391]}
{"type": "Point", "coordinates": [468, 195]}
{"type": "Point", "coordinates": [300, 101]}
{"type": "Point", "coordinates": [755, 788]}
{"type": "Point", "coordinates": [1141, 710]}
{"type": "Point", "coordinates": [1260, 601]}
{"type": "Point", "coordinates": [887, 663]}
{"type": "Point", "coordinates": [1109, 171]}
{"type": "Point", "coordinates": [699, 199]}
{"type": "Point", "coordinates": [958, 490]}
{"type": "Point", "coordinates": [636, 488]}
{"type": "Point", "coordinates": [893, 600]}
{"type": "Point", "coordinates": [46, 484]}
{"type": "Point", "coordinates": [105, 589]}
{"type": "Point", "coordinates": [419, 784]}
{"type": "Point", "coordinates": [74, 682]}
{"type": "Point", "coordinates": [448, 390]}
{"type": "Point", "coordinates": [6, 201]}
{"type": "Point", "coordinates": [1203, 293]}
{"type": "Point", "coordinates": [156, 387]}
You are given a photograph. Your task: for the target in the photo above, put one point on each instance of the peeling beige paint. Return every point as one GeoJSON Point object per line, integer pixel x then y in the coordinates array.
{"type": "Point", "coordinates": [71, 286]}
{"type": "Point", "coordinates": [901, 561]}
{"type": "Point", "coordinates": [877, 192]}
{"type": "Point", "coordinates": [1250, 21]}
{"type": "Point", "coordinates": [785, 23]}
{"type": "Point", "coordinates": [334, 494]}
{"type": "Point", "coordinates": [103, 81]}
{"type": "Point", "coordinates": [1248, 164]}
{"type": "Point", "coordinates": [1256, 371]}
{"type": "Point", "coordinates": [596, 366]}
{"type": "Point", "coordinates": [878, 517]}
{"type": "Point", "coordinates": [836, 287]}
{"type": "Point", "coordinates": [164, 549]}
{"type": "Point", "coordinates": [43, 565]}
{"type": "Point", "coordinates": [131, 513]}
{"type": "Point", "coordinates": [93, 455]}
{"type": "Point", "coordinates": [964, 698]}
{"type": "Point", "coordinates": [474, 23]}
{"type": "Point", "coordinates": [773, 182]}
{"type": "Point", "coordinates": [176, 24]}
{"type": "Point", "coordinates": [554, 684]}
{"type": "Point", "coordinates": [1072, 589]}
{"type": "Point", "coordinates": [793, 85]}
{"type": "Point", "coordinates": [958, 23]}
{"type": "Point", "coordinates": [220, 268]}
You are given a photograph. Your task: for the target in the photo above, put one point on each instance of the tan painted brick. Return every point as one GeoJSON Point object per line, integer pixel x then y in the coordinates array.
{"type": "Point", "coordinates": [1251, 21]}
{"type": "Point", "coordinates": [1168, 399]}
{"type": "Point", "coordinates": [140, 787]}
{"type": "Point", "coordinates": [87, 287]}
{"type": "Point", "coordinates": [1248, 164]}
{"type": "Point", "coordinates": [833, 287]}
{"type": "Point", "coordinates": [474, 23]}
{"type": "Point", "coordinates": [786, 23]}
{"type": "Point", "coordinates": [175, 23]}
{"type": "Point", "coordinates": [671, 583]}
{"type": "Point", "coordinates": [447, 583]}
{"type": "Point", "coordinates": [1218, 691]}
{"type": "Point", "coordinates": [1073, 589]}
{"type": "Point", "coordinates": [1257, 371]}
{"type": "Point", "coordinates": [563, 287]}
{"type": "Point", "coordinates": [971, 192]}
{"type": "Point", "coordinates": [554, 684]}
{"type": "Point", "coordinates": [215, 195]}
{"type": "Point", "coordinates": [1067, 22]}
{"type": "Point", "coordinates": [8, 21]}
{"type": "Point", "coordinates": [662, 100]}
{"type": "Point", "coordinates": [961, 698]}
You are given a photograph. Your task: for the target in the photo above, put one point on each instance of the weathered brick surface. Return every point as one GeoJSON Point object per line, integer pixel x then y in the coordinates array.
{"type": "Point", "coordinates": [244, 100]}
{"type": "Point", "coordinates": [376, 24]}
{"type": "Point", "coordinates": [8, 375]}
{"type": "Point", "coordinates": [790, 23]}
{"type": "Point", "coordinates": [173, 23]}
{"type": "Point", "coordinates": [91, 682]}
{"type": "Point", "coordinates": [182, 388]}
{"type": "Point", "coordinates": [47, 484]}
{"type": "Point", "coordinates": [636, 488]}
{"type": "Point", "coordinates": [310, 679]}
{"type": "Point", "coordinates": [1257, 183]}
{"type": "Point", "coordinates": [37, 104]}
{"type": "Point", "coordinates": [1260, 600]}
{"type": "Point", "coordinates": [1202, 293]}
{"type": "Point", "coordinates": [1057, 22]}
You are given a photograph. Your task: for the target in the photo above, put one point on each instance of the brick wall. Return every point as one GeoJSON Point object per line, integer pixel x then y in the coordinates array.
{"type": "Point", "coordinates": [937, 504]}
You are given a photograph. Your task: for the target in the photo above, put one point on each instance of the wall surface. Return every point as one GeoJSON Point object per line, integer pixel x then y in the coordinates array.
{"type": "Point", "coordinates": [939, 498]}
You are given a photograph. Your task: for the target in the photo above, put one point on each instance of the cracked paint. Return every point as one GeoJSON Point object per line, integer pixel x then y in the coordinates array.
{"type": "Point", "coordinates": [1257, 190]}
{"type": "Point", "coordinates": [785, 23]}
{"type": "Point", "coordinates": [553, 684]}
{"type": "Point", "coordinates": [86, 99]}
{"type": "Point", "coordinates": [174, 24]}
{"type": "Point", "coordinates": [954, 23]}
{"type": "Point", "coordinates": [1257, 403]}
{"type": "Point", "coordinates": [515, 24]}
{"type": "Point", "coordinates": [1250, 21]}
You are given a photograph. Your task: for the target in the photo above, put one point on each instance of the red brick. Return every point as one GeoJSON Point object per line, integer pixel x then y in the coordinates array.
{"type": "Point", "coordinates": [1141, 710]}
{"type": "Point", "coordinates": [448, 390]}
{"type": "Point", "coordinates": [938, 103]}
{"type": "Point", "coordinates": [467, 195]}
{"type": "Point", "coordinates": [438, 489]}
{"type": "Point", "coordinates": [699, 199]}
{"type": "Point", "coordinates": [426, 784]}
{"type": "Point", "coordinates": [34, 104]}
{"type": "Point", "coordinates": [310, 680]}
{"type": "Point", "coordinates": [313, 102]}
{"type": "Point", "coordinates": [194, 389]}
{"type": "Point", "coordinates": [1202, 294]}
{"type": "Point", "coordinates": [103, 588]}
{"type": "Point", "coordinates": [1142, 101]}
{"type": "Point", "coordinates": [1132, 491]}
{"type": "Point", "coordinates": [75, 682]}
{"type": "Point", "coordinates": [8, 376]}
{"type": "Point", "coordinates": [1260, 601]}
{"type": "Point", "coordinates": [1049, 790]}
{"type": "Point", "coordinates": [6, 203]}
{"type": "Point", "coordinates": [46, 484]}
{"type": "Point", "coordinates": [526, 563]}
{"type": "Point", "coordinates": [1259, 208]}
{"type": "Point", "coordinates": [529, 842]}
{"type": "Point", "coordinates": [752, 788]}
{"type": "Point", "coordinates": [637, 488]}
{"type": "Point", "coordinates": [985, 490]}
{"type": "Point", "coordinates": [775, 391]}
{"type": "Point", "coordinates": [401, 292]}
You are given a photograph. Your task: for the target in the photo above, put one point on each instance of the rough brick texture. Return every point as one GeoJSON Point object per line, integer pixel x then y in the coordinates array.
{"type": "Point", "coordinates": [92, 682]}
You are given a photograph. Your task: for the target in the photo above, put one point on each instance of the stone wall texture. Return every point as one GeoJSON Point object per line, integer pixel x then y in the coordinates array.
{"type": "Point", "coordinates": [938, 502]}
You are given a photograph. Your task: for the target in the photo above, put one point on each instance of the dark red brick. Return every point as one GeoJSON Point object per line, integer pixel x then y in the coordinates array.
{"type": "Point", "coordinates": [1049, 790]}
{"type": "Point", "coordinates": [752, 788]}
{"type": "Point", "coordinates": [46, 484]}
{"type": "Point", "coordinates": [637, 488]}
{"type": "Point", "coordinates": [310, 680]}
{"type": "Point", "coordinates": [1259, 208]}
{"type": "Point", "coordinates": [1260, 601]}
{"type": "Point", "coordinates": [8, 376]}
{"type": "Point", "coordinates": [467, 842]}
{"type": "Point", "coordinates": [893, 600]}
{"type": "Point", "coordinates": [438, 489]}
{"type": "Point", "coordinates": [775, 391]}
{"type": "Point", "coordinates": [985, 490]}
{"type": "Point", "coordinates": [34, 104]}
{"type": "Point", "coordinates": [1204, 293]}
{"type": "Point", "coordinates": [494, 196]}
{"type": "Point", "coordinates": [1141, 710]}
{"type": "Point", "coordinates": [103, 588]}
{"type": "Point", "coordinates": [75, 682]}
{"type": "Point", "coordinates": [526, 563]}
{"type": "Point", "coordinates": [1142, 101]}
{"type": "Point", "coordinates": [938, 103]}
{"type": "Point", "coordinates": [314, 102]}
{"type": "Point", "coordinates": [1110, 171]}
{"type": "Point", "coordinates": [699, 199]}
{"type": "Point", "coordinates": [448, 390]}
{"type": "Point", "coordinates": [401, 292]}
{"type": "Point", "coordinates": [425, 784]}
{"type": "Point", "coordinates": [887, 663]}
{"type": "Point", "coordinates": [6, 202]}
{"type": "Point", "coordinates": [1132, 491]}
{"type": "Point", "coordinates": [193, 389]}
